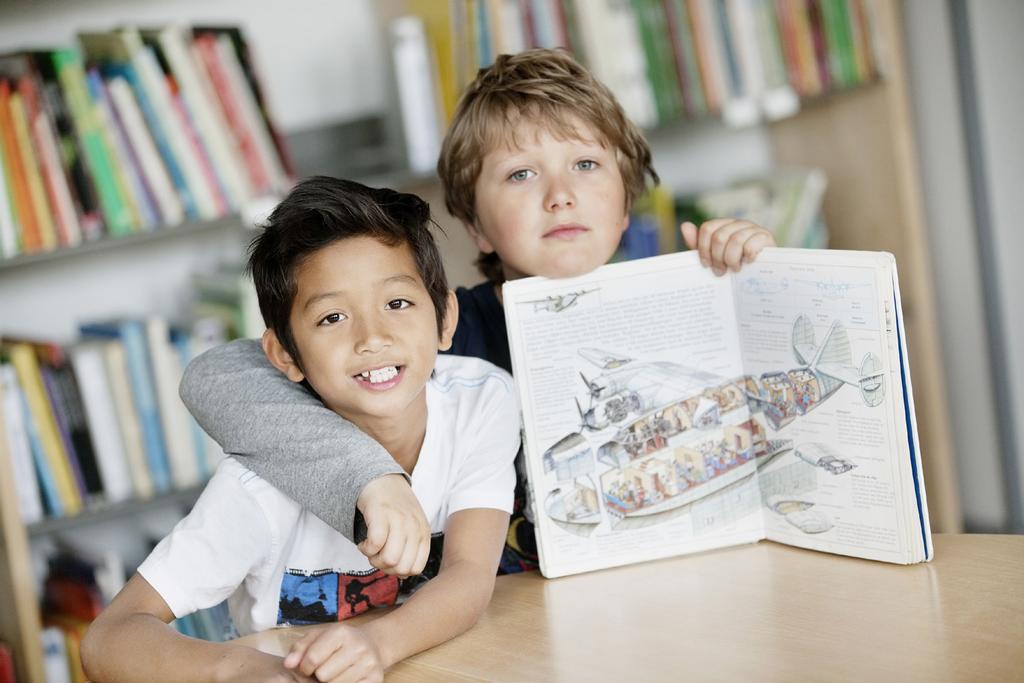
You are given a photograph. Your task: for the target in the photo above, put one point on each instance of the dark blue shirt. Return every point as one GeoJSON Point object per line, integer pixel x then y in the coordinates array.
{"type": "Point", "coordinates": [481, 331]}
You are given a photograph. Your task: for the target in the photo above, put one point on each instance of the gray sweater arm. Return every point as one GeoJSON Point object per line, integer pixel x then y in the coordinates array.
{"type": "Point", "coordinates": [286, 435]}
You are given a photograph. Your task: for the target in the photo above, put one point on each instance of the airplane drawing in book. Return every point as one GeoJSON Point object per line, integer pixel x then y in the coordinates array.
{"type": "Point", "coordinates": [556, 303]}
{"type": "Point", "coordinates": [655, 435]}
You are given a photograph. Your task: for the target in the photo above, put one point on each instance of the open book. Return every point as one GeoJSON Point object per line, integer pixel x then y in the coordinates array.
{"type": "Point", "coordinates": [668, 411]}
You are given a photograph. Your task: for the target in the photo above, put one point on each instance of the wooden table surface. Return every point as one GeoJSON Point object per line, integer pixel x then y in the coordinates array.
{"type": "Point", "coordinates": [762, 612]}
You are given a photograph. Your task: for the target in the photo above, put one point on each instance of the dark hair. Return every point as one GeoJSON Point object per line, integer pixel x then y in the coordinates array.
{"type": "Point", "coordinates": [321, 210]}
{"type": "Point", "coordinates": [549, 88]}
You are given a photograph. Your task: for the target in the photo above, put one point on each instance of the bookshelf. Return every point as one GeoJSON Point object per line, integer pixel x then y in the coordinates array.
{"type": "Point", "coordinates": [130, 270]}
{"type": "Point", "coordinates": [862, 137]}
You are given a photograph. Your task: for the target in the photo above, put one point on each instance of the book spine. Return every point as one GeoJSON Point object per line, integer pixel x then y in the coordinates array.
{"type": "Point", "coordinates": [8, 225]}
{"type": "Point", "coordinates": [27, 365]}
{"type": "Point", "coordinates": [80, 183]}
{"type": "Point", "coordinates": [212, 130]}
{"type": "Point", "coordinates": [156, 128]}
{"type": "Point", "coordinates": [72, 78]}
{"type": "Point", "coordinates": [33, 173]}
{"type": "Point", "coordinates": [100, 416]}
{"type": "Point", "coordinates": [30, 504]}
{"type": "Point", "coordinates": [259, 177]}
{"type": "Point", "coordinates": [65, 213]}
{"type": "Point", "coordinates": [156, 175]}
{"type": "Point", "coordinates": [56, 403]}
{"type": "Point", "coordinates": [31, 239]}
{"type": "Point", "coordinates": [128, 419]}
{"type": "Point", "coordinates": [141, 375]}
{"type": "Point", "coordinates": [126, 173]}
{"type": "Point", "coordinates": [148, 69]}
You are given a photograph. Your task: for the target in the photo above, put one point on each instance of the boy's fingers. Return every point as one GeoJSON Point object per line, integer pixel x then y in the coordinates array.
{"type": "Point", "coordinates": [689, 232]}
{"type": "Point", "coordinates": [422, 555]}
{"type": "Point", "coordinates": [298, 650]}
{"type": "Point", "coordinates": [719, 243]}
{"type": "Point", "coordinates": [735, 246]}
{"type": "Point", "coordinates": [753, 246]}
{"type": "Point", "coordinates": [706, 236]}
{"type": "Point", "coordinates": [328, 646]}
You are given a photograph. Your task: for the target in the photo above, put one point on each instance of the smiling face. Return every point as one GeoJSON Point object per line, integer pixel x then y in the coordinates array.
{"type": "Point", "coordinates": [366, 331]}
{"type": "Point", "coordinates": [549, 206]}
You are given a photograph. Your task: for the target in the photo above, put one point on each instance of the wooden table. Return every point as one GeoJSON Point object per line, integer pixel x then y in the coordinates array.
{"type": "Point", "coordinates": [762, 612]}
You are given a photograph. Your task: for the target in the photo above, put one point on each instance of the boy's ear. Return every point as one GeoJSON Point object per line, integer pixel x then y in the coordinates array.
{"type": "Point", "coordinates": [279, 358]}
{"type": "Point", "coordinates": [481, 242]}
{"type": "Point", "coordinates": [451, 321]}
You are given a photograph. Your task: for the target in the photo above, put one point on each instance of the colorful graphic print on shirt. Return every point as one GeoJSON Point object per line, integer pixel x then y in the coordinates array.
{"type": "Point", "coordinates": [328, 595]}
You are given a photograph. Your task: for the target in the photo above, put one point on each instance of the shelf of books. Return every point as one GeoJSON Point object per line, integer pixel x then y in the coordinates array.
{"type": "Point", "coordinates": [744, 61]}
{"type": "Point", "coordinates": [132, 132]}
{"type": "Point", "coordinates": [130, 136]}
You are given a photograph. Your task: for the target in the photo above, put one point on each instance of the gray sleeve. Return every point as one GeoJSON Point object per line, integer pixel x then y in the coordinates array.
{"type": "Point", "coordinates": [286, 435]}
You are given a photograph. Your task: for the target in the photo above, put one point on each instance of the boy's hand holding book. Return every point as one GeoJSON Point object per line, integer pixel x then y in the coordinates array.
{"type": "Point", "coordinates": [397, 534]}
{"type": "Point", "coordinates": [726, 243]}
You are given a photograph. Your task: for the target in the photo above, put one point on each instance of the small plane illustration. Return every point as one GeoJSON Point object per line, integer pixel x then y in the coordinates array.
{"type": "Point", "coordinates": [556, 303]}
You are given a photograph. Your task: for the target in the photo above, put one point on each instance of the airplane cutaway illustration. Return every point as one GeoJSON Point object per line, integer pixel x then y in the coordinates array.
{"type": "Point", "coordinates": [655, 436]}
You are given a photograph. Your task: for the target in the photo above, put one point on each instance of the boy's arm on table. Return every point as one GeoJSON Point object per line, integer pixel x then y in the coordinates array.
{"type": "Point", "coordinates": [325, 463]}
{"type": "Point", "coordinates": [441, 609]}
{"type": "Point", "coordinates": [726, 243]}
{"type": "Point", "coordinates": [132, 641]}
{"type": "Point", "coordinates": [203, 560]}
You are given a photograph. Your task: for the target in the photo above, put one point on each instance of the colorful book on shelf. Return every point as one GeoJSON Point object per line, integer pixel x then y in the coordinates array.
{"type": "Point", "coordinates": [44, 138]}
{"type": "Point", "coordinates": [73, 630]}
{"type": "Point", "coordinates": [131, 178]}
{"type": "Point", "coordinates": [30, 239]}
{"type": "Point", "coordinates": [282, 168]}
{"type": "Point", "coordinates": [677, 18]}
{"type": "Point", "coordinates": [9, 230]}
{"type": "Point", "coordinates": [436, 17]}
{"type": "Point", "coordinates": [122, 53]}
{"type": "Point", "coordinates": [207, 456]}
{"type": "Point", "coordinates": [47, 231]}
{"type": "Point", "coordinates": [132, 335]}
{"type": "Point", "coordinates": [181, 454]}
{"type": "Point", "coordinates": [80, 182]}
{"type": "Point", "coordinates": [199, 100]}
{"type": "Point", "coordinates": [157, 177]}
{"type": "Point", "coordinates": [20, 70]}
{"type": "Point", "coordinates": [71, 74]}
{"type": "Point", "coordinates": [87, 361]}
{"type": "Point", "coordinates": [116, 362]}
{"type": "Point", "coordinates": [660, 62]}
{"type": "Point", "coordinates": [185, 115]}
{"type": "Point", "coordinates": [30, 503]}
{"type": "Point", "coordinates": [24, 359]}
{"type": "Point", "coordinates": [65, 394]}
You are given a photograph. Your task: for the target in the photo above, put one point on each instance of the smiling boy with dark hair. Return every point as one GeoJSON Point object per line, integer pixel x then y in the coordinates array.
{"type": "Point", "coordinates": [357, 307]}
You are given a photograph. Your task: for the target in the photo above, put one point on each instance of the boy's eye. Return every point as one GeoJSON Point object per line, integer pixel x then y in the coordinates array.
{"type": "Point", "coordinates": [586, 165]}
{"type": "Point", "coordinates": [330, 319]}
{"type": "Point", "coordinates": [398, 304]}
{"type": "Point", "coordinates": [520, 175]}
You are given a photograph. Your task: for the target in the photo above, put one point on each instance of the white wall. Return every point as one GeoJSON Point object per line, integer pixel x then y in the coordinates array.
{"type": "Point", "coordinates": [957, 261]}
{"type": "Point", "coordinates": [996, 27]}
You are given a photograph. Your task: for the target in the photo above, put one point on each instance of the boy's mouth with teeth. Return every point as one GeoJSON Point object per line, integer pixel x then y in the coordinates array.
{"type": "Point", "coordinates": [379, 376]}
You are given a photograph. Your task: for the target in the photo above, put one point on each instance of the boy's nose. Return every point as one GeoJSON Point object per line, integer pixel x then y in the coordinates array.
{"type": "Point", "coordinates": [559, 195]}
{"type": "Point", "coordinates": [373, 336]}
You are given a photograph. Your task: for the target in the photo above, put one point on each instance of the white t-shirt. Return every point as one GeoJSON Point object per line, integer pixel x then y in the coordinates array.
{"type": "Point", "coordinates": [279, 564]}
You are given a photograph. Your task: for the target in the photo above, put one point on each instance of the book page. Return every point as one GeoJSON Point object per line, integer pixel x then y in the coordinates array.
{"type": "Point", "coordinates": [818, 333]}
{"type": "Point", "coordinates": [638, 439]}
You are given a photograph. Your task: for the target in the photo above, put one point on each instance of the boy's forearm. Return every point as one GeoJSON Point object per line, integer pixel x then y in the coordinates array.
{"type": "Point", "coordinates": [443, 608]}
{"type": "Point", "coordinates": [140, 647]}
{"type": "Point", "coordinates": [284, 432]}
